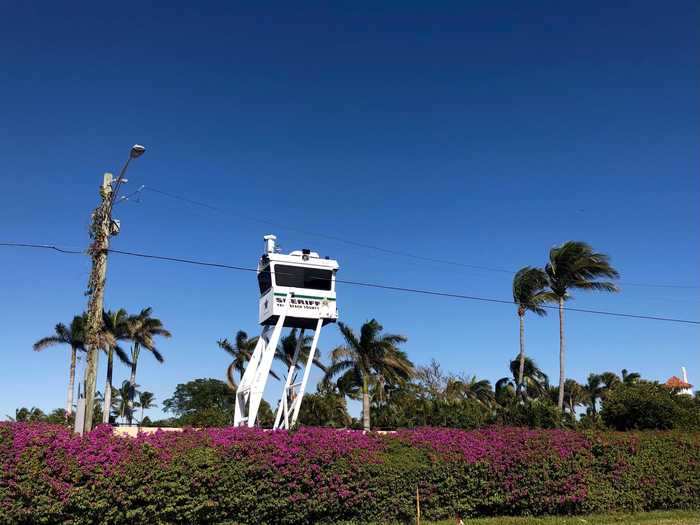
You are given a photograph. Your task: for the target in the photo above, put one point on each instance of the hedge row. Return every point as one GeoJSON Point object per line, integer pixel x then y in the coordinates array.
{"type": "Point", "coordinates": [317, 475]}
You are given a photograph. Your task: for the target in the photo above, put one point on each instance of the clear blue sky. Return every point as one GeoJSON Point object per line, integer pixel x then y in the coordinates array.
{"type": "Point", "coordinates": [477, 132]}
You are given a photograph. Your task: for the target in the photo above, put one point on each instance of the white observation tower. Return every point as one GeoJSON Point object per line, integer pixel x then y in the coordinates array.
{"type": "Point", "coordinates": [296, 291]}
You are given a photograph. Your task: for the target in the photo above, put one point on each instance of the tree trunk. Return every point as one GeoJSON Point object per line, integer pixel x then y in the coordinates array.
{"type": "Point", "coordinates": [561, 354]}
{"type": "Point", "coordinates": [365, 404]}
{"type": "Point", "coordinates": [521, 369]}
{"type": "Point", "coordinates": [107, 406]}
{"type": "Point", "coordinates": [141, 422]}
{"type": "Point", "coordinates": [71, 382]}
{"type": "Point", "coordinates": [132, 382]}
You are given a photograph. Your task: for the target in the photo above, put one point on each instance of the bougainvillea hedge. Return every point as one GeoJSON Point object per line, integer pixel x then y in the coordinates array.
{"type": "Point", "coordinates": [317, 475]}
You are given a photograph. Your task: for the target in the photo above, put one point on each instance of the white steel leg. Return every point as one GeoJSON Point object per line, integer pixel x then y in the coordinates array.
{"type": "Point", "coordinates": [243, 390]}
{"type": "Point", "coordinates": [307, 370]}
{"type": "Point", "coordinates": [257, 387]}
{"type": "Point", "coordinates": [283, 407]}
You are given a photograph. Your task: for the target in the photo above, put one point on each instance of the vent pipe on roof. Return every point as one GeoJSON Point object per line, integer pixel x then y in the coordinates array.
{"type": "Point", "coordinates": [270, 243]}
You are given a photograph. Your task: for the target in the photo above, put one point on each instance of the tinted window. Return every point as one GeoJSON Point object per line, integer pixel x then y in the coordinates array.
{"type": "Point", "coordinates": [297, 277]}
{"type": "Point", "coordinates": [265, 280]}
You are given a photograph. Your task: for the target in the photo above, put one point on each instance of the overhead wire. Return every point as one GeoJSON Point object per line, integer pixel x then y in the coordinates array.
{"type": "Point", "coordinates": [389, 251]}
{"type": "Point", "coordinates": [360, 283]}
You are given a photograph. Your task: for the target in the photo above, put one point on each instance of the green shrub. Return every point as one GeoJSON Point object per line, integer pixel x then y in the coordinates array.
{"type": "Point", "coordinates": [647, 405]}
{"type": "Point", "coordinates": [315, 475]}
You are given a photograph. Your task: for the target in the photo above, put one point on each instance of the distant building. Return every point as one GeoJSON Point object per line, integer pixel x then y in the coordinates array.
{"type": "Point", "coordinates": [681, 385]}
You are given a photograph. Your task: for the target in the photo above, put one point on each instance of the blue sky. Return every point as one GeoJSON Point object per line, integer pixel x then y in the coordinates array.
{"type": "Point", "coordinates": [482, 133]}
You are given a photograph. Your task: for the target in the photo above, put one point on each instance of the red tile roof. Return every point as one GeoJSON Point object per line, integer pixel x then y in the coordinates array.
{"type": "Point", "coordinates": [677, 382]}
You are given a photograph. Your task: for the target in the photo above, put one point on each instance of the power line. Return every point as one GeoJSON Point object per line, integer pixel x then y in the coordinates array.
{"type": "Point", "coordinates": [326, 236]}
{"type": "Point", "coordinates": [370, 246]}
{"type": "Point", "coordinates": [44, 246]}
{"type": "Point", "coordinates": [413, 290]}
{"type": "Point", "coordinates": [364, 284]}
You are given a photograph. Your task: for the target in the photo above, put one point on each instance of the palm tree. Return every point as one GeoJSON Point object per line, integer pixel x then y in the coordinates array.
{"type": "Point", "coordinates": [593, 390]}
{"type": "Point", "coordinates": [575, 395]}
{"type": "Point", "coordinates": [142, 329]}
{"type": "Point", "coordinates": [120, 400]}
{"type": "Point", "coordinates": [534, 381]}
{"type": "Point", "coordinates": [529, 293]}
{"type": "Point", "coordinates": [146, 401]}
{"type": "Point", "coordinates": [630, 378]}
{"type": "Point", "coordinates": [287, 347]}
{"type": "Point", "coordinates": [73, 336]}
{"type": "Point", "coordinates": [470, 388]}
{"type": "Point", "coordinates": [372, 355]}
{"type": "Point", "coordinates": [115, 329]}
{"type": "Point", "coordinates": [241, 350]}
{"type": "Point", "coordinates": [574, 265]}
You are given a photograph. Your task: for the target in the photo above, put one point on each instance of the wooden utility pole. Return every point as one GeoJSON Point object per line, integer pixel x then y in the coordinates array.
{"type": "Point", "coordinates": [100, 230]}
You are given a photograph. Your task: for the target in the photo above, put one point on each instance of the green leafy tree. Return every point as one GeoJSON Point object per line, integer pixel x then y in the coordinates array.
{"type": "Point", "coordinates": [372, 355]}
{"type": "Point", "coordinates": [115, 329]}
{"type": "Point", "coordinates": [529, 293]}
{"type": "Point", "coordinates": [208, 402]}
{"type": "Point", "coordinates": [74, 337]}
{"type": "Point", "coordinates": [142, 330]}
{"type": "Point", "coordinates": [574, 265]}
{"type": "Point", "coordinates": [649, 405]}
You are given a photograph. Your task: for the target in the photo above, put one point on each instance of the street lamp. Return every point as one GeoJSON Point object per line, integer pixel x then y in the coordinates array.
{"type": "Point", "coordinates": [136, 151]}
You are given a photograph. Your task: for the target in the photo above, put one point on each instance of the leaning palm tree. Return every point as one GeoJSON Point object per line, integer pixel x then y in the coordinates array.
{"type": "Point", "coordinates": [574, 265]}
{"type": "Point", "coordinates": [368, 356]}
{"type": "Point", "coordinates": [115, 329]}
{"type": "Point", "coordinates": [529, 293]}
{"type": "Point", "coordinates": [146, 401]}
{"type": "Point", "coordinates": [143, 329]}
{"type": "Point", "coordinates": [73, 336]}
{"type": "Point", "coordinates": [241, 351]}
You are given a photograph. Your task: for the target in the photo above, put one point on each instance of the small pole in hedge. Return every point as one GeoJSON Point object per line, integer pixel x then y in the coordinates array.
{"type": "Point", "coordinates": [417, 507]}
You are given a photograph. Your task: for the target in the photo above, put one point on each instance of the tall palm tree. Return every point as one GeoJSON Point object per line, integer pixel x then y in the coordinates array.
{"type": "Point", "coordinates": [372, 354]}
{"type": "Point", "coordinates": [146, 401]}
{"type": "Point", "coordinates": [574, 265]}
{"type": "Point", "coordinates": [529, 293]}
{"type": "Point", "coordinates": [115, 329]}
{"type": "Point", "coordinates": [143, 329]}
{"type": "Point", "coordinates": [241, 350]}
{"type": "Point", "coordinates": [73, 336]}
